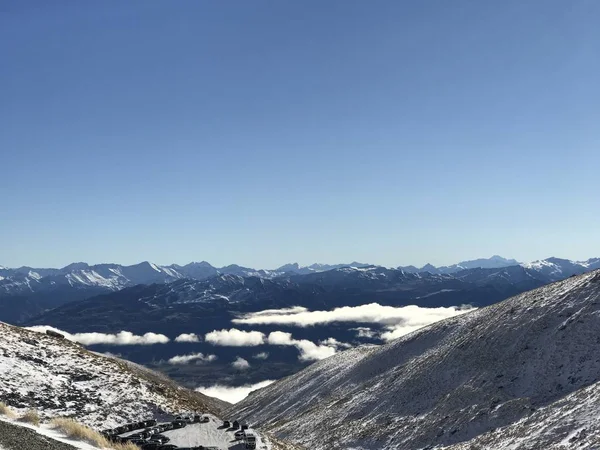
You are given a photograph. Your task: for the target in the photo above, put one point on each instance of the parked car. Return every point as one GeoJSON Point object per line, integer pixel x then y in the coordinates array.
{"type": "Point", "coordinates": [179, 424]}
{"type": "Point", "coordinates": [189, 418]}
{"type": "Point", "coordinates": [240, 434]}
{"type": "Point", "coordinates": [159, 438]}
{"type": "Point", "coordinates": [150, 446]}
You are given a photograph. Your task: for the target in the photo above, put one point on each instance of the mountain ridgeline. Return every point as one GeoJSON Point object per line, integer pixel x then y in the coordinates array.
{"type": "Point", "coordinates": [26, 292]}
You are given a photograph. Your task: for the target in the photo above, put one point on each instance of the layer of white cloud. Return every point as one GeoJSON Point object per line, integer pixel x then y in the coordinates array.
{"type": "Point", "coordinates": [186, 359]}
{"type": "Point", "coordinates": [333, 342]}
{"type": "Point", "coordinates": [292, 310]}
{"type": "Point", "coordinates": [261, 355]}
{"type": "Point", "coordinates": [364, 332]}
{"type": "Point", "coordinates": [120, 338]}
{"type": "Point", "coordinates": [240, 364]}
{"type": "Point", "coordinates": [187, 337]}
{"type": "Point", "coordinates": [309, 351]}
{"type": "Point", "coordinates": [235, 338]}
{"type": "Point", "coordinates": [398, 320]}
{"type": "Point", "coordinates": [232, 394]}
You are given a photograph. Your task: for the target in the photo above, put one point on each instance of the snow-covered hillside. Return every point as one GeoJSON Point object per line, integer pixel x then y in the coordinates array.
{"type": "Point", "coordinates": [525, 370]}
{"type": "Point", "coordinates": [59, 377]}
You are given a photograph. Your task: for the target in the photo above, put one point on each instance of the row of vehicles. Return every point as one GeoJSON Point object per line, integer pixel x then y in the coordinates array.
{"type": "Point", "coordinates": [243, 433]}
{"type": "Point", "coordinates": [148, 433]}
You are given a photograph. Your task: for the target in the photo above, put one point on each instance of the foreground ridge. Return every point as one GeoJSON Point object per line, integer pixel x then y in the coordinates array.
{"type": "Point", "coordinates": [530, 363]}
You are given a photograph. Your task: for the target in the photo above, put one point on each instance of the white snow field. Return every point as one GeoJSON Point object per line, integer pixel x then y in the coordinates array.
{"type": "Point", "coordinates": [520, 374]}
{"type": "Point", "coordinates": [211, 434]}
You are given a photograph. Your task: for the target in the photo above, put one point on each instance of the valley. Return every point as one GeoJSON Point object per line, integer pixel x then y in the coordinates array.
{"type": "Point", "coordinates": [214, 302]}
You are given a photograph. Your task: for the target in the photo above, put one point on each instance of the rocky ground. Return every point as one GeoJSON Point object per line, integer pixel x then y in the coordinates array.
{"type": "Point", "coordinates": [14, 437]}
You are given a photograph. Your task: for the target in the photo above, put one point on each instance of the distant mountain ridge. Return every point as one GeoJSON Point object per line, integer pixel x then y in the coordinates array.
{"type": "Point", "coordinates": [116, 276]}
{"type": "Point", "coordinates": [484, 263]}
{"type": "Point", "coordinates": [27, 291]}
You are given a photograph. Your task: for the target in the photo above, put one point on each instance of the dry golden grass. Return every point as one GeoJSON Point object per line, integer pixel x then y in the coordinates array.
{"type": "Point", "coordinates": [31, 417]}
{"type": "Point", "coordinates": [77, 431]}
{"type": "Point", "coordinates": [6, 411]}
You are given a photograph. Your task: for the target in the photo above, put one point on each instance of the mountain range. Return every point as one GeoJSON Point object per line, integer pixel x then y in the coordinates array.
{"type": "Point", "coordinates": [112, 277]}
{"type": "Point", "coordinates": [523, 373]}
{"type": "Point", "coordinates": [202, 306]}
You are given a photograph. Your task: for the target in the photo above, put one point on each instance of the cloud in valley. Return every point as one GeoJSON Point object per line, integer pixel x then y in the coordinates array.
{"type": "Point", "coordinates": [235, 338]}
{"type": "Point", "coordinates": [397, 320]}
{"type": "Point", "coordinates": [232, 394]}
{"type": "Point", "coordinates": [120, 338]}
{"type": "Point", "coordinates": [333, 342]}
{"type": "Point", "coordinates": [261, 355]}
{"type": "Point", "coordinates": [187, 337]}
{"type": "Point", "coordinates": [364, 332]}
{"type": "Point", "coordinates": [240, 364]}
{"type": "Point", "coordinates": [309, 351]}
{"type": "Point", "coordinates": [193, 357]}
{"type": "Point", "coordinates": [282, 311]}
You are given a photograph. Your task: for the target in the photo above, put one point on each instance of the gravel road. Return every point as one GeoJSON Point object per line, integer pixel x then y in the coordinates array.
{"type": "Point", "coordinates": [14, 437]}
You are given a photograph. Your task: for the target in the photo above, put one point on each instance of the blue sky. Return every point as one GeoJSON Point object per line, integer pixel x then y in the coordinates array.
{"type": "Point", "coordinates": [264, 132]}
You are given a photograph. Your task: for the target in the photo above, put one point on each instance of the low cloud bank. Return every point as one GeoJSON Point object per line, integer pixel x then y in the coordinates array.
{"type": "Point", "coordinates": [232, 394]}
{"type": "Point", "coordinates": [186, 359]}
{"type": "Point", "coordinates": [120, 338]}
{"type": "Point", "coordinates": [397, 320]}
{"type": "Point", "coordinates": [240, 364]}
{"type": "Point", "coordinates": [187, 337]}
{"type": "Point", "coordinates": [333, 342]}
{"type": "Point", "coordinates": [309, 351]}
{"type": "Point", "coordinates": [364, 332]}
{"type": "Point", "coordinates": [235, 338]}
{"type": "Point", "coordinates": [282, 311]}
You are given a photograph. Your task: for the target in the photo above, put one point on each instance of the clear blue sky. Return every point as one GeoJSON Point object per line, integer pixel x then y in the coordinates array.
{"type": "Point", "coordinates": [265, 132]}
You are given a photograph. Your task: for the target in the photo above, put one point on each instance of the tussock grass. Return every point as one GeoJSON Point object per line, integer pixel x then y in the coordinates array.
{"type": "Point", "coordinates": [6, 411]}
{"type": "Point", "coordinates": [31, 417]}
{"type": "Point", "coordinates": [79, 432]}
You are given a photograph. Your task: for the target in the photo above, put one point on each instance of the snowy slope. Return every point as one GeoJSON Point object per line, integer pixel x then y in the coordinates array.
{"type": "Point", "coordinates": [530, 363]}
{"type": "Point", "coordinates": [59, 377]}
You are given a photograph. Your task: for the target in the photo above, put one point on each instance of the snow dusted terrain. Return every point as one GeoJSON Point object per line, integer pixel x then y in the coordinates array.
{"type": "Point", "coordinates": [57, 377]}
{"type": "Point", "coordinates": [60, 378]}
{"type": "Point", "coordinates": [520, 374]}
